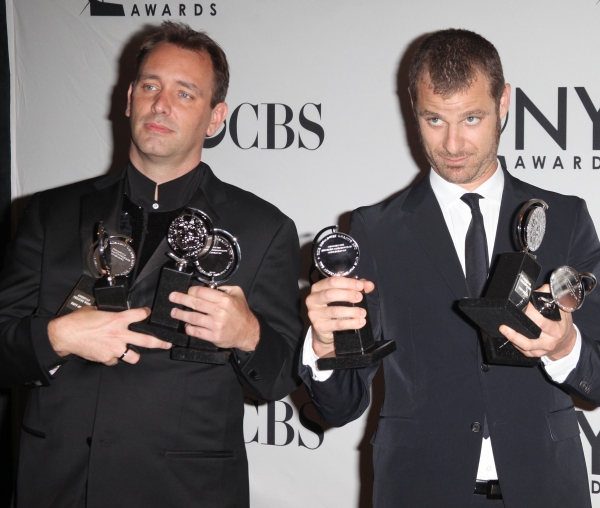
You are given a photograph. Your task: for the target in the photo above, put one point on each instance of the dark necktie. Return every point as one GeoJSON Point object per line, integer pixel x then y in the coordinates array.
{"type": "Point", "coordinates": [476, 257]}
{"type": "Point", "coordinates": [476, 251]}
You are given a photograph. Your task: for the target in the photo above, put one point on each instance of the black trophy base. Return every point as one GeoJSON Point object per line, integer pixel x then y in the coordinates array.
{"type": "Point", "coordinates": [489, 315]}
{"type": "Point", "coordinates": [539, 301]}
{"type": "Point", "coordinates": [112, 296]}
{"type": "Point", "coordinates": [161, 332]}
{"type": "Point", "coordinates": [188, 354]}
{"type": "Point", "coordinates": [81, 296]}
{"type": "Point", "coordinates": [181, 342]}
{"type": "Point", "coordinates": [370, 357]}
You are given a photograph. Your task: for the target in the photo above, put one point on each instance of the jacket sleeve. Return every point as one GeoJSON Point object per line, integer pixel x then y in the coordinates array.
{"type": "Point", "coordinates": [270, 372]}
{"type": "Point", "coordinates": [345, 396]}
{"type": "Point", "coordinates": [26, 354]}
{"type": "Point", "coordinates": [584, 255]}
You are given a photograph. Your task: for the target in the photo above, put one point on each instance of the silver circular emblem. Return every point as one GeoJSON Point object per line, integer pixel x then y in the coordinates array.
{"type": "Point", "coordinates": [189, 235]}
{"type": "Point", "coordinates": [119, 256]}
{"type": "Point", "coordinates": [535, 228]}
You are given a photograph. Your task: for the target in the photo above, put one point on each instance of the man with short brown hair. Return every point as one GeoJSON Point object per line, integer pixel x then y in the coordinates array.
{"type": "Point", "coordinates": [112, 419]}
{"type": "Point", "coordinates": [454, 430]}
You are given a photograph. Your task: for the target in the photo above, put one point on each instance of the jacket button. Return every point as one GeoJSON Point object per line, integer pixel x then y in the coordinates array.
{"type": "Point", "coordinates": [485, 367]}
{"type": "Point", "coordinates": [254, 375]}
{"type": "Point", "coordinates": [476, 426]}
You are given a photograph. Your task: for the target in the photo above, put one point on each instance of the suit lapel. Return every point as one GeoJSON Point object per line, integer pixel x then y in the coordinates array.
{"type": "Point", "coordinates": [428, 226]}
{"type": "Point", "coordinates": [513, 197]}
{"type": "Point", "coordinates": [102, 205]}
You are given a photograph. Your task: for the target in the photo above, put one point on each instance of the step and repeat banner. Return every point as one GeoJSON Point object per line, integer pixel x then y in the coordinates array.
{"type": "Point", "coordinates": [319, 124]}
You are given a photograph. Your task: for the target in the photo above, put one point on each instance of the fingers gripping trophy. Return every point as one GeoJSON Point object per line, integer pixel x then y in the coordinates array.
{"type": "Point", "coordinates": [337, 255]}
{"type": "Point", "coordinates": [190, 237]}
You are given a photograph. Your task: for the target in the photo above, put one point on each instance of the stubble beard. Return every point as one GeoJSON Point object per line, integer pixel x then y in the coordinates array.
{"type": "Point", "coordinates": [466, 173]}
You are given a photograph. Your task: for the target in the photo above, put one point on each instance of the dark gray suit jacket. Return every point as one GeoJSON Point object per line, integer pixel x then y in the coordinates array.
{"type": "Point", "coordinates": [161, 432]}
{"type": "Point", "coordinates": [425, 452]}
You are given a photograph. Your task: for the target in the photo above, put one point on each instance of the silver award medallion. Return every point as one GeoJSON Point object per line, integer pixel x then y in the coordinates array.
{"type": "Point", "coordinates": [531, 225]}
{"type": "Point", "coordinates": [569, 288]}
{"type": "Point", "coordinates": [190, 236]}
{"type": "Point", "coordinates": [221, 262]}
{"type": "Point", "coordinates": [111, 255]}
{"type": "Point", "coordinates": [335, 254]}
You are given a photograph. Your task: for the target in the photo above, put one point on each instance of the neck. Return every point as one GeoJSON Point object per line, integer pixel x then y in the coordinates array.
{"type": "Point", "coordinates": [162, 171]}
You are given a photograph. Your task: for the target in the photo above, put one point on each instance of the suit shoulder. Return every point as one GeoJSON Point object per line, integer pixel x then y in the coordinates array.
{"type": "Point", "coordinates": [392, 204]}
{"type": "Point", "coordinates": [261, 208]}
{"type": "Point", "coordinates": [564, 202]}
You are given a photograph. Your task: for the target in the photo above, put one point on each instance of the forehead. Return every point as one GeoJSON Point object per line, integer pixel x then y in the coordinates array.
{"type": "Point", "coordinates": [169, 61]}
{"type": "Point", "coordinates": [476, 96]}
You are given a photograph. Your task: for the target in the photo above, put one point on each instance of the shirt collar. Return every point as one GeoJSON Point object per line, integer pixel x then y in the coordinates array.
{"type": "Point", "coordinates": [447, 193]}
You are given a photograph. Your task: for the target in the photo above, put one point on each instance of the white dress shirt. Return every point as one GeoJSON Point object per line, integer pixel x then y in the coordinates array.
{"type": "Point", "coordinates": [457, 215]}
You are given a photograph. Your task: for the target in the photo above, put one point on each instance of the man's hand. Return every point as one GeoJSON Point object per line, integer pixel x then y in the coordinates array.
{"type": "Point", "coordinates": [221, 317]}
{"type": "Point", "coordinates": [556, 340]}
{"type": "Point", "coordinates": [101, 336]}
{"type": "Point", "coordinates": [325, 320]}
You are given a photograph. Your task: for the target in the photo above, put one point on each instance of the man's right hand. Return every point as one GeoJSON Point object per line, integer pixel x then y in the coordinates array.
{"type": "Point", "coordinates": [326, 319]}
{"type": "Point", "coordinates": [101, 336]}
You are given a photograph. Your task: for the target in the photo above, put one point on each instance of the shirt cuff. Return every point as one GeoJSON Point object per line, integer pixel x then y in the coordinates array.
{"type": "Point", "coordinates": [559, 370]}
{"type": "Point", "coordinates": [309, 358]}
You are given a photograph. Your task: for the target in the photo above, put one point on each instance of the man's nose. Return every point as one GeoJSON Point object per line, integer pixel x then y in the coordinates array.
{"type": "Point", "coordinates": [161, 105]}
{"type": "Point", "coordinates": [454, 141]}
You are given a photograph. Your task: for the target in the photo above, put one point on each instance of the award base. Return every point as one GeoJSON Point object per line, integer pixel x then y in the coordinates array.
{"type": "Point", "coordinates": [489, 314]}
{"type": "Point", "coordinates": [162, 326]}
{"type": "Point", "coordinates": [367, 358]}
{"type": "Point", "coordinates": [355, 348]}
{"type": "Point", "coordinates": [112, 296]}
{"type": "Point", "coordinates": [508, 294]}
{"type": "Point", "coordinates": [81, 296]}
{"type": "Point", "coordinates": [189, 354]}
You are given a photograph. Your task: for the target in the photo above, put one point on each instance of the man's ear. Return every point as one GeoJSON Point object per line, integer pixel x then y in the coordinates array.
{"type": "Point", "coordinates": [218, 116]}
{"type": "Point", "coordinates": [129, 94]}
{"type": "Point", "coordinates": [412, 103]}
{"type": "Point", "coordinates": [504, 102]}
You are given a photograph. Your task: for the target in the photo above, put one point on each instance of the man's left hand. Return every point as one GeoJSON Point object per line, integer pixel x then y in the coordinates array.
{"type": "Point", "coordinates": [221, 317]}
{"type": "Point", "coordinates": [556, 340]}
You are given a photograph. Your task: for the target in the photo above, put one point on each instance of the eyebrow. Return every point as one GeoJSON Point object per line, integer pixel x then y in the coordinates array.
{"type": "Point", "coordinates": [467, 114]}
{"type": "Point", "coordinates": [185, 84]}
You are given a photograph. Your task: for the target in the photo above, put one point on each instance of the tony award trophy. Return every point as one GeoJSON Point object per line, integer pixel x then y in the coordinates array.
{"type": "Point", "coordinates": [110, 259]}
{"type": "Point", "coordinates": [509, 291]}
{"type": "Point", "coordinates": [215, 268]}
{"type": "Point", "coordinates": [568, 289]}
{"type": "Point", "coordinates": [337, 255]}
{"type": "Point", "coordinates": [190, 236]}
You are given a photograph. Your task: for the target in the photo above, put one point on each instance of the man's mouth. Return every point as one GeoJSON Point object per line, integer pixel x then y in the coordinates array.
{"type": "Point", "coordinates": [157, 127]}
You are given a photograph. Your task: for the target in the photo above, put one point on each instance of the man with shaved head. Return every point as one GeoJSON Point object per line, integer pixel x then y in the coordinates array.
{"type": "Point", "coordinates": [456, 430]}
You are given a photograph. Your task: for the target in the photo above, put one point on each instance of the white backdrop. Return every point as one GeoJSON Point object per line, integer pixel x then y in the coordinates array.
{"type": "Point", "coordinates": [337, 67]}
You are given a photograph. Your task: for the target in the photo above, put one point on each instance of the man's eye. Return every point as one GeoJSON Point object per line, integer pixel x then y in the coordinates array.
{"type": "Point", "coordinates": [185, 95]}
{"type": "Point", "coordinates": [472, 120]}
{"type": "Point", "coordinates": [149, 87]}
{"type": "Point", "coordinates": [435, 121]}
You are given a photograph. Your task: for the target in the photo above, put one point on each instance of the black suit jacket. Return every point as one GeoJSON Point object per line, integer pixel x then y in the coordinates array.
{"type": "Point", "coordinates": [426, 448]}
{"type": "Point", "coordinates": [161, 432]}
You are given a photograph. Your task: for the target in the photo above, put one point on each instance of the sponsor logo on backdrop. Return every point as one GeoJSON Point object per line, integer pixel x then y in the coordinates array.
{"type": "Point", "coordinates": [273, 423]}
{"type": "Point", "coordinates": [556, 131]}
{"type": "Point", "coordinates": [272, 126]}
{"type": "Point", "coordinates": [594, 441]}
{"type": "Point", "coordinates": [150, 9]}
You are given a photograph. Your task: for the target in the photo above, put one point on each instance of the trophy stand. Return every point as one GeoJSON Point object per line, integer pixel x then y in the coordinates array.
{"type": "Point", "coordinates": [337, 255]}
{"type": "Point", "coordinates": [216, 268]}
{"type": "Point", "coordinates": [190, 236]}
{"type": "Point", "coordinates": [510, 290]}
